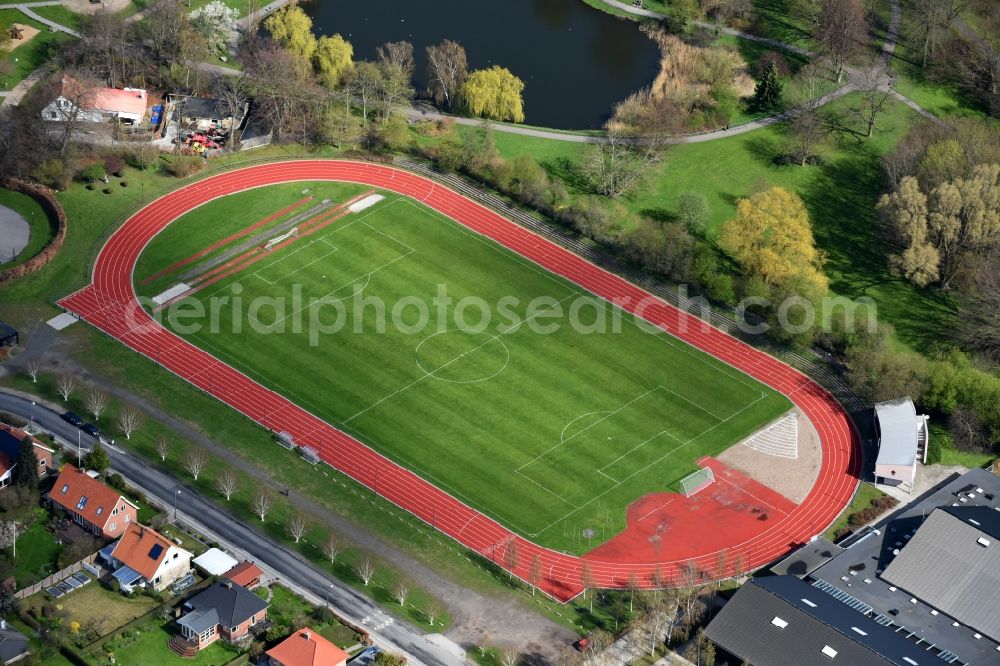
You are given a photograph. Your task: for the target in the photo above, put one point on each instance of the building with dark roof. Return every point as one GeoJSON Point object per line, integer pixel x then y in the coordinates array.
{"type": "Point", "coordinates": [783, 621]}
{"type": "Point", "coordinates": [225, 611]}
{"type": "Point", "coordinates": [13, 644]}
{"type": "Point", "coordinates": [8, 335]}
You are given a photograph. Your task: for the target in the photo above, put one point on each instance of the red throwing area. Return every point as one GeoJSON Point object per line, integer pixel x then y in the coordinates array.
{"type": "Point", "coordinates": [110, 304]}
{"type": "Point", "coordinates": [723, 518]}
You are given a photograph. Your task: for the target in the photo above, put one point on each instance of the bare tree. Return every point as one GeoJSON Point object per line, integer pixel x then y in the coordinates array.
{"type": "Point", "coordinates": [234, 93]}
{"type": "Point", "coordinates": [96, 402]}
{"type": "Point", "coordinates": [876, 93]}
{"type": "Point", "coordinates": [431, 612]}
{"type": "Point", "coordinates": [78, 90]}
{"type": "Point", "coordinates": [510, 657]}
{"type": "Point", "coordinates": [65, 385]}
{"type": "Point", "coordinates": [401, 592]}
{"type": "Point", "coordinates": [331, 549]}
{"type": "Point", "coordinates": [619, 164]}
{"type": "Point", "coordinates": [163, 448]}
{"type": "Point", "coordinates": [194, 461]}
{"type": "Point", "coordinates": [842, 31]}
{"type": "Point", "coordinates": [365, 570]}
{"type": "Point", "coordinates": [933, 19]}
{"type": "Point", "coordinates": [447, 69]}
{"type": "Point", "coordinates": [129, 420]}
{"type": "Point", "coordinates": [261, 504]}
{"type": "Point", "coordinates": [33, 367]}
{"type": "Point", "coordinates": [397, 55]}
{"type": "Point", "coordinates": [536, 573]}
{"type": "Point", "coordinates": [226, 483]}
{"type": "Point", "coordinates": [297, 526]}
{"type": "Point", "coordinates": [511, 557]}
{"type": "Point", "coordinates": [483, 642]}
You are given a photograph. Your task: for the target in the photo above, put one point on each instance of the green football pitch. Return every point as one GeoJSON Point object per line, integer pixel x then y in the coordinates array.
{"type": "Point", "coordinates": [551, 417]}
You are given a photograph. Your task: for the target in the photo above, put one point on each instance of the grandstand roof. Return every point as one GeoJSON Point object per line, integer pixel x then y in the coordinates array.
{"type": "Point", "coordinates": [897, 427]}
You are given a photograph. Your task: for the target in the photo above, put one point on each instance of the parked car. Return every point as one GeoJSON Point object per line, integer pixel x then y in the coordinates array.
{"type": "Point", "coordinates": [91, 430]}
{"type": "Point", "coordinates": [73, 419]}
{"type": "Point", "coordinates": [364, 657]}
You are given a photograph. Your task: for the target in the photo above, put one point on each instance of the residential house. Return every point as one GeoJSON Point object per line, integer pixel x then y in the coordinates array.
{"type": "Point", "coordinates": [8, 335]}
{"type": "Point", "coordinates": [204, 113]}
{"type": "Point", "coordinates": [306, 648]}
{"type": "Point", "coordinates": [144, 558]}
{"type": "Point", "coordinates": [245, 574]}
{"type": "Point", "coordinates": [13, 644]}
{"type": "Point", "coordinates": [225, 611]}
{"type": "Point", "coordinates": [76, 101]}
{"type": "Point", "coordinates": [98, 508]}
{"type": "Point", "coordinates": [11, 441]}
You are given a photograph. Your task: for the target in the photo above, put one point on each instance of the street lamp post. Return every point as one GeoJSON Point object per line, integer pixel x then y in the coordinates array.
{"type": "Point", "coordinates": [326, 595]}
{"type": "Point", "coordinates": [177, 491]}
{"type": "Point", "coordinates": [31, 419]}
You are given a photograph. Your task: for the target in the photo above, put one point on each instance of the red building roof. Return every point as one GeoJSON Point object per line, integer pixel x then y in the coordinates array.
{"type": "Point", "coordinates": [244, 573]}
{"type": "Point", "coordinates": [118, 100]}
{"type": "Point", "coordinates": [79, 493]}
{"type": "Point", "coordinates": [141, 549]}
{"type": "Point", "coordinates": [307, 648]}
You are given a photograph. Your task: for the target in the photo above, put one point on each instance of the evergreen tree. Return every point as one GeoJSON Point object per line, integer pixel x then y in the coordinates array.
{"type": "Point", "coordinates": [97, 459]}
{"type": "Point", "coordinates": [767, 92]}
{"type": "Point", "coordinates": [26, 471]}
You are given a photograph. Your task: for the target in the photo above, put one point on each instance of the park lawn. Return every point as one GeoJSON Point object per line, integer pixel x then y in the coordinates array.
{"type": "Point", "coordinates": [504, 392]}
{"type": "Point", "coordinates": [60, 15]}
{"type": "Point", "coordinates": [866, 494]}
{"type": "Point", "coordinates": [41, 228]}
{"type": "Point", "coordinates": [774, 20]}
{"type": "Point", "coordinates": [37, 552]}
{"type": "Point", "coordinates": [26, 58]}
{"type": "Point", "coordinates": [146, 644]}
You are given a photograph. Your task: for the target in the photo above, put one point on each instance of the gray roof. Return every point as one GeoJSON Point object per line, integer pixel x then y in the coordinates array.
{"type": "Point", "coordinates": [232, 604]}
{"type": "Point", "coordinates": [953, 564]}
{"type": "Point", "coordinates": [748, 627]}
{"type": "Point", "coordinates": [13, 644]}
{"type": "Point", "coordinates": [808, 558]}
{"type": "Point", "coordinates": [897, 427]}
{"type": "Point", "coordinates": [201, 620]}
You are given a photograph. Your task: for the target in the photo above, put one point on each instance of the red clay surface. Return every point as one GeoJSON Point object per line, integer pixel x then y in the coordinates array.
{"type": "Point", "coordinates": [110, 304]}
{"type": "Point", "coordinates": [730, 512]}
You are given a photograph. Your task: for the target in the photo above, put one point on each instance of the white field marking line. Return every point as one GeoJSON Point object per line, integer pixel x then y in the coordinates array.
{"type": "Point", "coordinates": [468, 381]}
{"type": "Point", "coordinates": [457, 358]}
{"type": "Point", "coordinates": [652, 511]}
{"type": "Point", "coordinates": [719, 477]}
{"type": "Point", "coordinates": [548, 490]}
{"type": "Point", "coordinates": [580, 432]}
{"type": "Point", "coordinates": [639, 446]}
{"type": "Point", "coordinates": [562, 433]}
{"type": "Point", "coordinates": [645, 467]}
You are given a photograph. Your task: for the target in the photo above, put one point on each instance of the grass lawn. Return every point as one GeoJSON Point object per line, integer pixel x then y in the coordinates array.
{"type": "Point", "coordinates": [862, 499]}
{"type": "Point", "coordinates": [48, 655]}
{"type": "Point", "coordinates": [147, 644]}
{"type": "Point", "coordinates": [24, 59]}
{"type": "Point", "coordinates": [60, 15]}
{"type": "Point", "coordinates": [41, 227]}
{"type": "Point", "coordinates": [775, 20]}
{"type": "Point", "coordinates": [105, 609]}
{"type": "Point", "coordinates": [944, 452]}
{"type": "Point", "coordinates": [37, 552]}
{"type": "Point", "coordinates": [448, 392]}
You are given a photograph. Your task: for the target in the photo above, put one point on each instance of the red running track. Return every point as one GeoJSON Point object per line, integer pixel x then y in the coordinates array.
{"type": "Point", "coordinates": [109, 303]}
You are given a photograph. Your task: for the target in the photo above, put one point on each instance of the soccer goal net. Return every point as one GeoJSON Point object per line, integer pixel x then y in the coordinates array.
{"type": "Point", "coordinates": [697, 481]}
{"type": "Point", "coordinates": [294, 231]}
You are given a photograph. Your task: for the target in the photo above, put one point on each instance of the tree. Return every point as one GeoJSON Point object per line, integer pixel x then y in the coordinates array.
{"type": "Point", "coordinates": [162, 447]}
{"type": "Point", "coordinates": [298, 523]}
{"type": "Point", "coordinates": [33, 367]}
{"type": "Point", "coordinates": [875, 98]}
{"type": "Point", "coordinates": [878, 372]}
{"type": "Point", "coordinates": [65, 385]}
{"type": "Point", "coordinates": [97, 458]}
{"type": "Point", "coordinates": [933, 19]}
{"type": "Point", "coordinates": [217, 24]}
{"type": "Point", "coordinates": [588, 583]}
{"type": "Point", "coordinates": [333, 59]}
{"type": "Point", "coordinates": [261, 504]}
{"type": "Point", "coordinates": [26, 466]}
{"type": "Point", "coordinates": [943, 232]}
{"type": "Point", "coordinates": [401, 592]}
{"type": "Point", "coordinates": [291, 27]}
{"type": "Point", "coordinates": [620, 163]}
{"type": "Point", "coordinates": [842, 31]}
{"type": "Point", "coordinates": [511, 557]}
{"type": "Point", "coordinates": [194, 461]}
{"type": "Point", "coordinates": [692, 211]}
{"type": "Point", "coordinates": [536, 573]}
{"type": "Point", "coordinates": [331, 548]}
{"type": "Point", "coordinates": [510, 657]}
{"type": "Point", "coordinates": [397, 56]}
{"type": "Point", "coordinates": [365, 84]}
{"type": "Point", "coordinates": [771, 238]}
{"type": "Point", "coordinates": [806, 131]}
{"type": "Point", "coordinates": [494, 93]}
{"type": "Point", "coordinates": [226, 483]}
{"type": "Point", "coordinates": [447, 69]}
{"type": "Point", "coordinates": [979, 320]}
{"type": "Point", "coordinates": [96, 402]}
{"type": "Point", "coordinates": [365, 570]}
{"type": "Point", "coordinates": [431, 612]}
{"type": "Point", "coordinates": [129, 420]}
{"type": "Point", "coordinates": [767, 91]}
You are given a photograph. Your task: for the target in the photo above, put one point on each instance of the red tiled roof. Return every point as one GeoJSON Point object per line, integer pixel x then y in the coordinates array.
{"type": "Point", "coordinates": [73, 486]}
{"type": "Point", "coordinates": [244, 573]}
{"type": "Point", "coordinates": [128, 100]}
{"type": "Point", "coordinates": [141, 549]}
{"type": "Point", "coordinates": [307, 648]}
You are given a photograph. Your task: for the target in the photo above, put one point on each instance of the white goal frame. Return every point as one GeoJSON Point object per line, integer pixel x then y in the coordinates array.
{"type": "Point", "coordinates": [697, 481]}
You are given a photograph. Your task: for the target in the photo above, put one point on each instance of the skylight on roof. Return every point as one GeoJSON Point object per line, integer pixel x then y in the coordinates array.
{"type": "Point", "coordinates": [82, 503]}
{"type": "Point", "coordinates": [100, 510]}
{"type": "Point", "coordinates": [64, 488]}
{"type": "Point", "coordinates": [859, 631]}
{"type": "Point", "coordinates": [909, 661]}
{"type": "Point", "coordinates": [829, 651]}
{"type": "Point", "coordinates": [983, 541]}
{"type": "Point", "coordinates": [808, 603]}
{"type": "Point", "coordinates": [779, 623]}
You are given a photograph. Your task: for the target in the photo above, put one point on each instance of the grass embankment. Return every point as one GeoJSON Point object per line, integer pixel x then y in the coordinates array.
{"type": "Point", "coordinates": [41, 228]}
{"type": "Point", "coordinates": [493, 421]}
{"type": "Point", "coordinates": [866, 495]}
{"type": "Point", "coordinates": [27, 57]}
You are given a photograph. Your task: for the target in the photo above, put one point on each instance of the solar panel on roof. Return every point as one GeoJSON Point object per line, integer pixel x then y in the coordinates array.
{"type": "Point", "coordinates": [155, 551]}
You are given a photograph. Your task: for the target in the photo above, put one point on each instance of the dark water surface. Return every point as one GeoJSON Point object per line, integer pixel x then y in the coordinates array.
{"type": "Point", "coordinates": [576, 62]}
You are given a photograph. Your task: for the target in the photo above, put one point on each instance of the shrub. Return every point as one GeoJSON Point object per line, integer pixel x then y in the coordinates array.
{"type": "Point", "coordinates": [114, 164]}
{"type": "Point", "coordinates": [93, 173]}
{"type": "Point", "coordinates": [182, 167]}
{"type": "Point", "coordinates": [124, 183]}
{"type": "Point", "coordinates": [692, 211]}
{"type": "Point", "coordinates": [107, 190]}
{"type": "Point", "coordinates": [54, 173]}
{"type": "Point", "coordinates": [90, 186]}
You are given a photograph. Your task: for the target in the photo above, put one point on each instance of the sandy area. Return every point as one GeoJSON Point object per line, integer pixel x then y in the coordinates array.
{"type": "Point", "coordinates": [792, 478]}
{"type": "Point", "coordinates": [27, 33]}
{"type": "Point", "coordinates": [87, 7]}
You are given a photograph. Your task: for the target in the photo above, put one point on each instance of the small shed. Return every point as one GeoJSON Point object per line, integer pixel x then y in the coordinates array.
{"type": "Point", "coordinates": [902, 441]}
{"type": "Point", "coordinates": [214, 562]}
{"type": "Point", "coordinates": [8, 335]}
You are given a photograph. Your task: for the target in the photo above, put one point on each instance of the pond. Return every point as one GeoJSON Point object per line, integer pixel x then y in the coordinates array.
{"type": "Point", "coordinates": [576, 62]}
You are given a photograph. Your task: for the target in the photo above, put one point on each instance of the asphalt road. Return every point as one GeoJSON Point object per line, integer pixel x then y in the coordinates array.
{"type": "Point", "coordinates": [396, 635]}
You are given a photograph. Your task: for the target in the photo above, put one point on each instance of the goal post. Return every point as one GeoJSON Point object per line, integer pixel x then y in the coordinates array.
{"type": "Point", "coordinates": [291, 233]}
{"type": "Point", "coordinates": [697, 481]}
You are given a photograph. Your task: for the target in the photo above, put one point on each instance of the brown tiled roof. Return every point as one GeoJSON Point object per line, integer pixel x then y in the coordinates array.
{"type": "Point", "coordinates": [244, 573]}
{"type": "Point", "coordinates": [307, 648]}
{"type": "Point", "coordinates": [77, 492]}
{"type": "Point", "coordinates": [141, 549]}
